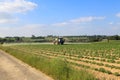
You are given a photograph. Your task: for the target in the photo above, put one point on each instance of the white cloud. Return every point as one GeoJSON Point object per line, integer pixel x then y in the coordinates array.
{"type": "Point", "coordinates": [8, 21]}
{"type": "Point", "coordinates": [10, 7]}
{"type": "Point", "coordinates": [42, 29]}
{"type": "Point", "coordinates": [16, 6]}
{"type": "Point", "coordinates": [25, 30]}
{"type": "Point", "coordinates": [86, 19]}
{"type": "Point", "coordinates": [118, 23]}
{"type": "Point", "coordinates": [60, 24]}
{"type": "Point", "coordinates": [115, 28]}
{"type": "Point", "coordinates": [7, 18]}
{"type": "Point", "coordinates": [118, 14]}
{"type": "Point", "coordinates": [78, 21]}
{"type": "Point", "coordinates": [111, 23]}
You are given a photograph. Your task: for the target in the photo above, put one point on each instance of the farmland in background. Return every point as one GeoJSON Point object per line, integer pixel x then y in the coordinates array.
{"type": "Point", "coordinates": [72, 61]}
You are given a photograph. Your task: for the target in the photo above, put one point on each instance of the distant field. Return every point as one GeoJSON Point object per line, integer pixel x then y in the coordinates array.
{"type": "Point", "coordinates": [101, 59]}
{"type": "Point", "coordinates": [38, 43]}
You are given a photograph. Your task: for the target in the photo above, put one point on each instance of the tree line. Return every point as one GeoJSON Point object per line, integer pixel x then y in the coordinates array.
{"type": "Point", "coordinates": [50, 38]}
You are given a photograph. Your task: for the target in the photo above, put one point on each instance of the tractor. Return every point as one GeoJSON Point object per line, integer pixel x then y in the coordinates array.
{"type": "Point", "coordinates": [58, 41]}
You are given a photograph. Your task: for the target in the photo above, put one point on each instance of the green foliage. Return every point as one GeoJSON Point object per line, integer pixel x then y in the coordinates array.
{"type": "Point", "coordinates": [116, 74]}
{"type": "Point", "coordinates": [111, 61]}
{"type": "Point", "coordinates": [102, 70]}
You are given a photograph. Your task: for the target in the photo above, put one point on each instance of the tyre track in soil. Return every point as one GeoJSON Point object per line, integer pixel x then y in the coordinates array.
{"type": "Point", "coordinates": [14, 69]}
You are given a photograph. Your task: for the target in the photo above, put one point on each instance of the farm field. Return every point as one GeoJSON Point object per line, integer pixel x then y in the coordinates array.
{"type": "Point", "coordinates": [100, 59]}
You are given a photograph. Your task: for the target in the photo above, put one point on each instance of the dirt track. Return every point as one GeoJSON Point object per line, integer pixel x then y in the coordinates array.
{"type": "Point", "coordinates": [13, 69]}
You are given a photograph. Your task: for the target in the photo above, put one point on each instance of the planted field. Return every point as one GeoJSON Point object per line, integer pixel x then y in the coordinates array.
{"type": "Point", "coordinates": [100, 59]}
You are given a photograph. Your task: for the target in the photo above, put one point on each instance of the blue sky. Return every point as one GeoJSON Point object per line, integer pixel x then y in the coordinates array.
{"type": "Point", "coordinates": [59, 17]}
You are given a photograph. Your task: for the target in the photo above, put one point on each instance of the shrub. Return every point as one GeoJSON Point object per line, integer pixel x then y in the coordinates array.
{"type": "Point", "coordinates": [102, 70]}
{"type": "Point", "coordinates": [109, 72]}
{"type": "Point", "coordinates": [116, 74]}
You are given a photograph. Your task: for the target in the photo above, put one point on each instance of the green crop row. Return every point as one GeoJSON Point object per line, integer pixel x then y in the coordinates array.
{"type": "Point", "coordinates": [107, 51]}
{"type": "Point", "coordinates": [77, 59]}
